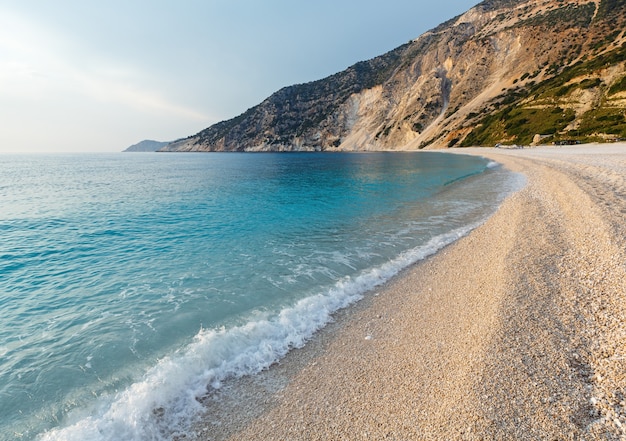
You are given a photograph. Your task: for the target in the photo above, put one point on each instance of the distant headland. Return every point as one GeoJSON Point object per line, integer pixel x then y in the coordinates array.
{"type": "Point", "coordinates": [147, 145]}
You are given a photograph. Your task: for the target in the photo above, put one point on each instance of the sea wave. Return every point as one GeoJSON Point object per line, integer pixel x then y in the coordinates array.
{"type": "Point", "coordinates": [166, 402]}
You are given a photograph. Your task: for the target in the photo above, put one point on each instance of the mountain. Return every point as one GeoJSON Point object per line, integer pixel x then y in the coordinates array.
{"type": "Point", "coordinates": [146, 145]}
{"type": "Point", "coordinates": [506, 71]}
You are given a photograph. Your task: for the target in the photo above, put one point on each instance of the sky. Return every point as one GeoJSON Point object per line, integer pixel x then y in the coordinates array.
{"type": "Point", "coordinates": [99, 76]}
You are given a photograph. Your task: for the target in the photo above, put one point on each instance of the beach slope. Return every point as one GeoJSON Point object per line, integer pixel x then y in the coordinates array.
{"type": "Point", "coordinates": [517, 331]}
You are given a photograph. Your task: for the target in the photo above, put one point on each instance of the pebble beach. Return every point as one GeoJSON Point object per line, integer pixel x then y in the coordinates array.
{"type": "Point", "coordinates": [516, 331]}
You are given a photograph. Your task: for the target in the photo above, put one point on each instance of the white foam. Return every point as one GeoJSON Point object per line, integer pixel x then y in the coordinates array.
{"type": "Point", "coordinates": [164, 403]}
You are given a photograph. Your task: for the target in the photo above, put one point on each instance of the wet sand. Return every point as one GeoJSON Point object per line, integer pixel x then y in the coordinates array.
{"type": "Point", "coordinates": [517, 331]}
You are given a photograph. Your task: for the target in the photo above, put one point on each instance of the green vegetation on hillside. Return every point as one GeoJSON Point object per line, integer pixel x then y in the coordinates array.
{"type": "Point", "coordinates": [620, 86]}
{"type": "Point", "coordinates": [610, 121]}
{"type": "Point", "coordinates": [545, 107]}
{"type": "Point", "coordinates": [570, 15]}
{"type": "Point", "coordinates": [519, 125]}
{"type": "Point", "coordinates": [609, 7]}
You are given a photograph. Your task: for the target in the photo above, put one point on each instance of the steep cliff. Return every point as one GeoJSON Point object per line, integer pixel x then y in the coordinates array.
{"type": "Point", "coordinates": [504, 71]}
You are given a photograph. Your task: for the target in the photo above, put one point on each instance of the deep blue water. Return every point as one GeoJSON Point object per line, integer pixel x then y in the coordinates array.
{"type": "Point", "coordinates": [134, 282]}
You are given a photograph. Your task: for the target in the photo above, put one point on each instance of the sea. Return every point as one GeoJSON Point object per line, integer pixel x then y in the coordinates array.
{"type": "Point", "coordinates": [133, 284]}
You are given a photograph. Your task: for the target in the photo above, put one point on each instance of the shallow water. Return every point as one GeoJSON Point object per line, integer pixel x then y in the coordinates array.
{"type": "Point", "coordinates": [129, 283]}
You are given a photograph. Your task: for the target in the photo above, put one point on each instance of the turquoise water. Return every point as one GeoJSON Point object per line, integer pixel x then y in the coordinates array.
{"type": "Point", "coordinates": [135, 282]}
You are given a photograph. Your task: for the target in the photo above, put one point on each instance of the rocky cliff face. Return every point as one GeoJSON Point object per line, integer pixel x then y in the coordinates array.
{"type": "Point", "coordinates": [504, 71]}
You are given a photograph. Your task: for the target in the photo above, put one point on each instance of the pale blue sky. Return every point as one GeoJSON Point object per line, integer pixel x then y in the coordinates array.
{"type": "Point", "coordinates": [80, 75]}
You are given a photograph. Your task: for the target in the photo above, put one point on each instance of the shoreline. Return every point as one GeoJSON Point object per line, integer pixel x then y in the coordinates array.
{"type": "Point", "coordinates": [514, 331]}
